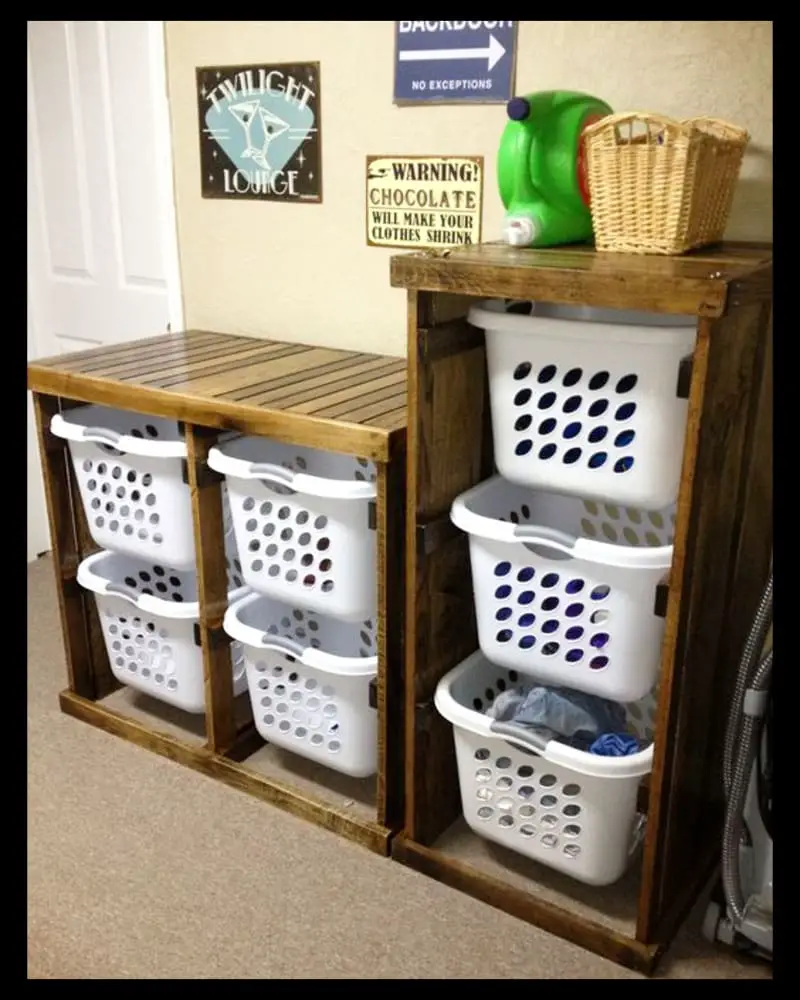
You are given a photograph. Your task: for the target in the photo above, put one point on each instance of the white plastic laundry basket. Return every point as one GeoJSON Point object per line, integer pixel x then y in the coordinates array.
{"type": "Point", "coordinates": [303, 523]}
{"type": "Point", "coordinates": [130, 471]}
{"type": "Point", "coordinates": [149, 614]}
{"type": "Point", "coordinates": [587, 401]}
{"type": "Point", "coordinates": [569, 809]}
{"type": "Point", "coordinates": [309, 679]}
{"type": "Point", "coordinates": [565, 589]}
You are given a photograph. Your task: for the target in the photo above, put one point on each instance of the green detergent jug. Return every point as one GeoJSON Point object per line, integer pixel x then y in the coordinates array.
{"type": "Point", "coordinates": [541, 171]}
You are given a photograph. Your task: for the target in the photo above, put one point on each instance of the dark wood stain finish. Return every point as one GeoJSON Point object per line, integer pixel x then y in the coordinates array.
{"type": "Point", "coordinates": [344, 401]}
{"type": "Point", "coordinates": [721, 555]}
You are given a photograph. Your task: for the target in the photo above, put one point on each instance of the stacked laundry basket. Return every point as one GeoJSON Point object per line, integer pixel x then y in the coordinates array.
{"type": "Point", "coordinates": [570, 545]}
{"type": "Point", "coordinates": [301, 559]}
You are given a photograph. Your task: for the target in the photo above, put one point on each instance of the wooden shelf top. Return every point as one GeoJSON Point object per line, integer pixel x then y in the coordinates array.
{"type": "Point", "coordinates": [340, 400]}
{"type": "Point", "coordinates": [706, 282]}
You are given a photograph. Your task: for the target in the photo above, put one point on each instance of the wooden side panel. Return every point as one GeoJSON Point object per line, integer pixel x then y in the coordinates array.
{"type": "Point", "coordinates": [212, 587]}
{"type": "Point", "coordinates": [55, 460]}
{"type": "Point", "coordinates": [449, 451]}
{"type": "Point", "coordinates": [706, 615]}
{"type": "Point", "coordinates": [391, 517]}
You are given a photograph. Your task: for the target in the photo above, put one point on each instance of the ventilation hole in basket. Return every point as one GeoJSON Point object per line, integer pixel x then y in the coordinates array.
{"type": "Point", "coordinates": [623, 464]}
{"type": "Point", "coordinates": [91, 484]}
{"type": "Point", "coordinates": [503, 614]}
{"type": "Point", "coordinates": [546, 400]}
{"type": "Point", "coordinates": [609, 531]}
{"type": "Point", "coordinates": [550, 604]}
{"type": "Point", "coordinates": [598, 662]}
{"type": "Point", "coordinates": [550, 626]}
{"type": "Point", "coordinates": [547, 452]}
{"type": "Point", "coordinates": [601, 592]}
{"type": "Point", "coordinates": [630, 535]}
{"type": "Point", "coordinates": [256, 565]}
{"type": "Point", "coordinates": [504, 635]}
{"type": "Point", "coordinates": [572, 404]}
{"type": "Point", "coordinates": [485, 812]}
{"type": "Point", "coordinates": [572, 456]}
{"type": "Point", "coordinates": [254, 545]}
{"type": "Point", "coordinates": [598, 407]}
{"type": "Point", "coordinates": [625, 411]}
{"type": "Point", "coordinates": [138, 515]}
{"type": "Point", "coordinates": [598, 617]}
{"type": "Point", "coordinates": [550, 648]}
{"type": "Point", "coordinates": [523, 422]}
{"type": "Point", "coordinates": [526, 620]}
{"type": "Point", "coordinates": [525, 574]}
{"type": "Point", "coordinates": [526, 597]}
{"type": "Point", "coordinates": [624, 438]}
{"type": "Point", "coordinates": [110, 507]}
{"type": "Point", "coordinates": [523, 447]}
{"type": "Point", "coordinates": [323, 544]}
{"type": "Point", "coordinates": [502, 784]}
{"type": "Point", "coordinates": [522, 397]}
{"type": "Point", "coordinates": [309, 580]}
{"type": "Point", "coordinates": [502, 569]}
{"type": "Point", "coordinates": [574, 610]}
{"type": "Point", "coordinates": [477, 704]}
{"type": "Point", "coordinates": [502, 592]}
{"type": "Point", "coordinates": [626, 383]}
{"type": "Point", "coordinates": [548, 801]}
{"type": "Point", "coordinates": [307, 559]}
{"type": "Point", "coordinates": [95, 503]}
{"type": "Point", "coordinates": [289, 555]}
{"type": "Point", "coordinates": [161, 587]}
{"type": "Point", "coordinates": [547, 426]}
{"type": "Point", "coordinates": [100, 521]}
{"type": "Point", "coordinates": [522, 370]}
{"type": "Point", "coordinates": [120, 492]}
{"type": "Point", "coordinates": [574, 655]}
{"type": "Point", "coordinates": [527, 642]}
{"type": "Point", "coordinates": [506, 820]}
{"type": "Point", "coordinates": [514, 517]}
{"type": "Point", "coordinates": [572, 430]}
{"type": "Point", "coordinates": [549, 580]}
{"type": "Point", "coordinates": [525, 791]}
{"type": "Point", "coordinates": [286, 534]}
{"type": "Point", "coordinates": [248, 503]}
{"type": "Point", "coordinates": [652, 539]}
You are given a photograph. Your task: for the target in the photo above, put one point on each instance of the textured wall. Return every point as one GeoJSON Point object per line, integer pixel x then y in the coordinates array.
{"type": "Point", "coordinates": [304, 272]}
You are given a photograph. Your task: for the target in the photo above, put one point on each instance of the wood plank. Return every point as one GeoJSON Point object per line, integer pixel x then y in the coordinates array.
{"type": "Point", "coordinates": [129, 348]}
{"type": "Point", "coordinates": [55, 460]}
{"type": "Point", "coordinates": [391, 594]}
{"type": "Point", "coordinates": [144, 362]}
{"type": "Point", "coordinates": [131, 353]}
{"type": "Point", "coordinates": [392, 422]}
{"type": "Point", "coordinates": [317, 388]}
{"type": "Point", "coordinates": [104, 681]}
{"type": "Point", "coordinates": [212, 588]}
{"type": "Point", "coordinates": [388, 383]}
{"type": "Point", "coordinates": [570, 926]}
{"type": "Point", "coordinates": [367, 441]}
{"type": "Point", "coordinates": [223, 381]}
{"type": "Point", "coordinates": [222, 358]}
{"type": "Point", "coordinates": [370, 835]}
{"type": "Point", "coordinates": [699, 664]}
{"type": "Point", "coordinates": [448, 452]}
{"type": "Point", "coordinates": [368, 406]}
{"type": "Point", "coordinates": [319, 375]}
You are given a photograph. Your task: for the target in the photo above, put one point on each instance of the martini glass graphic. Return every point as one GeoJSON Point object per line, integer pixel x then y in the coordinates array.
{"type": "Point", "coordinates": [246, 113]}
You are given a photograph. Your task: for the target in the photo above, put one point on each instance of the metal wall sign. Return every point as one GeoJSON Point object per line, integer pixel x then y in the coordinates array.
{"type": "Point", "coordinates": [260, 131]}
{"type": "Point", "coordinates": [424, 202]}
{"type": "Point", "coordinates": [454, 62]}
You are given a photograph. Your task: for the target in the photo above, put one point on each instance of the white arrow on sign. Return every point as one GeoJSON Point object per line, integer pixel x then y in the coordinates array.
{"type": "Point", "coordinates": [492, 54]}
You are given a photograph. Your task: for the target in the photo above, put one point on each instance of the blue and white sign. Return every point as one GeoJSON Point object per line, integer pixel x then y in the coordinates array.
{"type": "Point", "coordinates": [454, 62]}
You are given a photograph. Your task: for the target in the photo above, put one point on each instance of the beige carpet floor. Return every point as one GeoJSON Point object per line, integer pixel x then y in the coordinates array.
{"type": "Point", "coordinates": [139, 868]}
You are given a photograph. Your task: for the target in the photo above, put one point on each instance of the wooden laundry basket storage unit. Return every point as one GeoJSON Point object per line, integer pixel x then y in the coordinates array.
{"type": "Point", "coordinates": [339, 401]}
{"type": "Point", "coordinates": [722, 547]}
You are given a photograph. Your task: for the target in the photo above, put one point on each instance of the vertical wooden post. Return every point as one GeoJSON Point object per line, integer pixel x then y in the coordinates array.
{"type": "Point", "coordinates": [54, 453]}
{"type": "Point", "coordinates": [212, 588]}
{"type": "Point", "coordinates": [391, 572]}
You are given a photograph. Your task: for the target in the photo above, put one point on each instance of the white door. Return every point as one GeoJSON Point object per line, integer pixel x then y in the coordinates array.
{"type": "Point", "coordinates": [102, 246]}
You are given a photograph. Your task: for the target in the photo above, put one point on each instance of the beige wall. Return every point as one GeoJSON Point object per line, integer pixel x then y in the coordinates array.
{"type": "Point", "coordinates": [304, 272]}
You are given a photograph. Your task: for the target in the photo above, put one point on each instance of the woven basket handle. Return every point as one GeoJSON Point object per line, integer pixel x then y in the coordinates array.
{"type": "Point", "coordinates": [718, 127]}
{"type": "Point", "coordinates": [656, 126]}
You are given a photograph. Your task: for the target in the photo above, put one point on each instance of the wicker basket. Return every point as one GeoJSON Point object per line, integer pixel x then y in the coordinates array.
{"type": "Point", "coordinates": [660, 186]}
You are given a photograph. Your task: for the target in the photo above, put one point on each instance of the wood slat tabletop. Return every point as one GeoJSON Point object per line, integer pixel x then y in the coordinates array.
{"type": "Point", "coordinates": [348, 401]}
{"type": "Point", "coordinates": [703, 283]}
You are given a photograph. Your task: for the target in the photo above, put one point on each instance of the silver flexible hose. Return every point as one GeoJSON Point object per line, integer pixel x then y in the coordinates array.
{"type": "Point", "coordinates": [749, 733]}
{"type": "Point", "coordinates": [752, 648]}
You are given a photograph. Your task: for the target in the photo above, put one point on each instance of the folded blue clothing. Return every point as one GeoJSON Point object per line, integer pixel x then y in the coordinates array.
{"type": "Point", "coordinates": [572, 717]}
{"type": "Point", "coordinates": [615, 745]}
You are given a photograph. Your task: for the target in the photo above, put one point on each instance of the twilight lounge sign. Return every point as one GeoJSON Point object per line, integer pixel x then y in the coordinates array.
{"type": "Point", "coordinates": [260, 131]}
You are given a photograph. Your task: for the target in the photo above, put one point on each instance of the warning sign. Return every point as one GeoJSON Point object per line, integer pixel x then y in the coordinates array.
{"type": "Point", "coordinates": [424, 202]}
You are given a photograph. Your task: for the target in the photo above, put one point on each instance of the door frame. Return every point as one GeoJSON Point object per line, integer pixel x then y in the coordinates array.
{"type": "Point", "coordinates": [38, 527]}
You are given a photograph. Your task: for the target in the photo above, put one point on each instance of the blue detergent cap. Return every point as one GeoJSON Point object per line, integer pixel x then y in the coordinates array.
{"type": "Point", "coordinates": [518, 109]}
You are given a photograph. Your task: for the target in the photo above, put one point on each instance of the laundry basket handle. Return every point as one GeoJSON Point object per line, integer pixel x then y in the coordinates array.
{"type": "Point", "coordinates": [530, 739]}
{"type": "Point", "coordinates": [102, 435]}
{"type": "Point", "coordinates": [282, 644]}
{"type": "Point", "coordinates": [122, 591]}
{"type": "Point", "coordinates": [271, 472]}
{"type": "Point", "coordinates": [547, 537]}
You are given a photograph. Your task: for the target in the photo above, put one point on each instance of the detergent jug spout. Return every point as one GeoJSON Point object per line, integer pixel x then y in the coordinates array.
{"type": "Point", "coordinates": [540, 168]}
